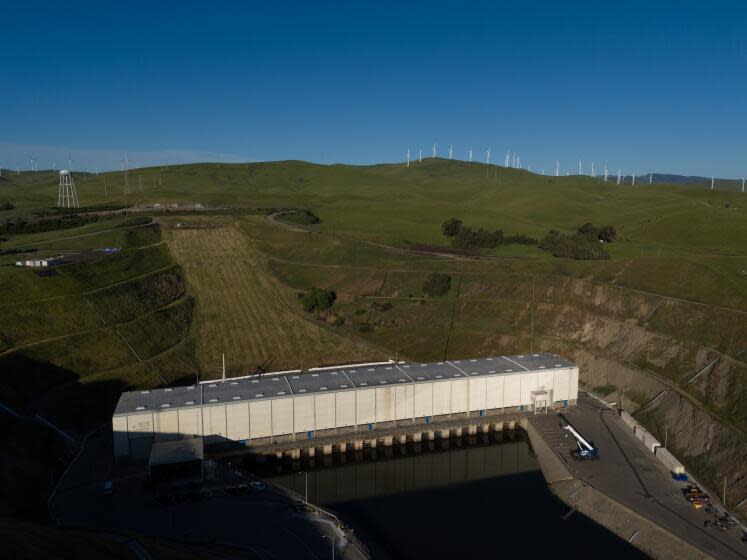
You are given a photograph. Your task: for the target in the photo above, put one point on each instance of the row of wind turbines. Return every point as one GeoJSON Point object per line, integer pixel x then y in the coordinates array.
{"type": "Point", "coordinates": [513, 160]}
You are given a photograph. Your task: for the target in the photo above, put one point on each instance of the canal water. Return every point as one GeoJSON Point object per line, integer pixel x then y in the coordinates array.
{"type": "Point", "coordinates": [473, 497]}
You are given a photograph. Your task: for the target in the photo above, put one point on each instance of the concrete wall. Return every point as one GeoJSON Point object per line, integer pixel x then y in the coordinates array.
{"type": "Point", "coordinates": [669, 460]}
{"type": "Point", "coordinates": [282, 416]}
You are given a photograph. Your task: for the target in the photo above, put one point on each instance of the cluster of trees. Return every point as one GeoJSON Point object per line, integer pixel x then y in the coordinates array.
{"type": "Point", "coordinates": [576, 246]}
{"type": "Point", "coordinates": [318, 299]}
{"type": "Point", "coordinates": [463, 237]}
{"type": "Point", "coordinates": [608, 234]}
{"type": "Point", "coordinates": [20, 225]}
{"type": "Point", "coordinates": [437, 285]}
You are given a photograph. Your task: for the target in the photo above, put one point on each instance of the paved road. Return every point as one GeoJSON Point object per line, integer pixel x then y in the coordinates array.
{"type": "Point", "coordinates": [630, 474]}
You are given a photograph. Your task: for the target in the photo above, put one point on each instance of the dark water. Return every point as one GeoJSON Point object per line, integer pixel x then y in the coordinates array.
{"type": "Point", "coordinates": [476, 499]}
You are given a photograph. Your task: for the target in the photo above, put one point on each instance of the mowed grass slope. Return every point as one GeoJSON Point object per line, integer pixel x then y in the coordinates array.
{"type": "Point", "coordinates": [242, 313]}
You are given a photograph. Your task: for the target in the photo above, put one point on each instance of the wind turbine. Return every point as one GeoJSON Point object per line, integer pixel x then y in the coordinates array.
{"type": "Point", "coordinates": [470, 153]}
{"type": "Point", "coordinates": [593, 173]}
{"type": "Point", "coordinates": [451, 151]}
{"type": "Point", "coordinates": [513, 160]}
{"type": "Point", "coordinates": [508, 158]}
{"type": "Point", "coordinates": [650, 178]}
{"type": "Point", "coordinates": [557, 168]}
{"type": "Point", "coordinates": [408, 157]}
{"type": "Point", "coordinates": [518, 161]}
{"type": "Point", "coordinates": [605, 173]}
{"type": "Point", "coordinates": [580, 169]}
{"type": "Point", "coordinates": [487, 156]}
{"type": "Point", "coordinates": [712, 181]}
{"type": "Point", "coordinates": [742, 184]}
{"type": "Point", "coordinates": [618, 175]}
{"type": "Point", "coordinates": [420, 155]}
{"type": "Point", "coordinates": [434, 151]}
{"type": "Point", "coordinates": [633, 183]}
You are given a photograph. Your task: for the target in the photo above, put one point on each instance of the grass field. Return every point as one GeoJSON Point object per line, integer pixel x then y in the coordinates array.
{"type": "Point", "coordinates": [242, 313]}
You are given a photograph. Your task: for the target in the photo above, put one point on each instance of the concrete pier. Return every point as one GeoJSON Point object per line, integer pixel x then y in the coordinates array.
{"type": "Point", "coordinates": [327, 449]}
{"type": "Point", "coordinates": [430, 435]}
{"type": "Point", "coordinates": [358, 445]}
{"type": "Point", "coordinates": [387, 440]}
{"type": "Point", "coordinates": [485, 428]}
{"type": "Point", "coordinates": [402, 439]}
{"type": "Point", "coordinates": [472, 430]}
{"type": "Point", "coordinates": [416, 437]}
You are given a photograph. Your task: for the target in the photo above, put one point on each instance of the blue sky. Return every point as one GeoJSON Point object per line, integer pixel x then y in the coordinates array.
{"type": "Point", "coordinates": [638, 85]}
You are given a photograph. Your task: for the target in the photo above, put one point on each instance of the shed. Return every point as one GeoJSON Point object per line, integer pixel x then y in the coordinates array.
{"type": "Point", "coordinates": [177, 461]}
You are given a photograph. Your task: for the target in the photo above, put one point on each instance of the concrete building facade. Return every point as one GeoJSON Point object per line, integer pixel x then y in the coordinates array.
{"type": "Point", "coordinates": [301, 405]}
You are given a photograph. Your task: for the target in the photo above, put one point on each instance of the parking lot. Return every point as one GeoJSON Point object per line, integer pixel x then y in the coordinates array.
{"type": "Point", "coordinates": [627, 472]}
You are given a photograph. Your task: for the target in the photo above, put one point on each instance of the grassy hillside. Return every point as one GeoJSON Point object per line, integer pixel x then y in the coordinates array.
{"type": "Point", "coordinates": [670, 303]}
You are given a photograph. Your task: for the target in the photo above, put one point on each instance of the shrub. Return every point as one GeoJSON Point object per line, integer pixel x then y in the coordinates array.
{"type": "Point", "coordinates": [318, 299]}
{"type": "Point", "coordinates": [302, 217]}
{"type": "Point", "coordinates": [437, 285]}
{"type": "Point", "coordinates": [573, 247]}
{"type": "Point", "coordinates": [7, 206]}
{"type": "Point", "coordinates": [386, 306]}
{"type": "Point", "coordinates": [451, 227]}
{"type": "Point", "coordinates": [365, 327]}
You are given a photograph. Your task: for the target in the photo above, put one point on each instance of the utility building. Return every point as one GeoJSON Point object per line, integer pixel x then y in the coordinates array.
{"type": "Point", "coordinates": [301, 405]}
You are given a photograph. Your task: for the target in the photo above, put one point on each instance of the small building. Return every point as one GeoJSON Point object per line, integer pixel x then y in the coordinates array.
{"type": "Point", "coordinates": [177, 461]}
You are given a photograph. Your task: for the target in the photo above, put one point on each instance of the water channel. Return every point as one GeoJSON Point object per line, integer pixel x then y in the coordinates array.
{"type": "Point", "coordinates": [473, 497]}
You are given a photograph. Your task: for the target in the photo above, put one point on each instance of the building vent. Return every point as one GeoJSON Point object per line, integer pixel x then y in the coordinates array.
{"type": "Point", "coordinates": [474, 373]}
{"type": "Point", "coordinates": [344, 386]}
{"type": "Point", "coordinates": [168, 389]}
{"type": "Point", "coordinates": [314, 375]}
{"type": "Point", "coordinates": [190, 388]}
{"type": "Point", "coordinates": [323, 388]}
{"type": "Point", "coordinates": [473, 360]}
{"type": "Point", "coordinates": [420, 378]}
{"type": "Point", "coordinates": [211, 385]}
{"type": "Point", "coordinates": [276, 379]}
{"type": "Point", "coordinates": [294, 377]}
{"type": "Point", "coordinates": [190, 402]}
{"type": "Point", "coordinates": [213, 400]}
{"type": "Point", "coordinates": [456, 375]}
{"type": "Point", "coordinates": [139, 408]}
{"type": "Point", "coordinates": [334, 373]}
{"type": "Point", "coordinates": [234, 382]}
{"type": "Point", "coordinates": [492, 371]}
{"type": "Point", "coordinates": [401, 380]}
{"type": "Point", "coordinates": [363, 383]}
{"type": "Point", "coordinates": [237, 397]}
{"type": "Point", "coordinates": [439, 377]}
{"type": "Point", "coordinates": [281, 392]}
{"type": "Point", "coordinates": [382, 382]}
{"type": "Point", "coordinates": [144, 392]}
{"type": "Point", "coordinates": [490, 359]}
{"type": "Point", "coordinates": [165, 405]}
{"type": "Point", "coordinates": [558, 365]}
{"type": "Point", "coordinates": [302, 390]}
{"type": "Point", "coordinates": [509, 370]}
{"type": "Point", "coordinates": [458, 361]}
{"type": "Point", "coordinates": [542, 367]}
{"type": "Point", "coordinates": [255, 380]}
{"type": "Point", "coordinates": [258, 395]}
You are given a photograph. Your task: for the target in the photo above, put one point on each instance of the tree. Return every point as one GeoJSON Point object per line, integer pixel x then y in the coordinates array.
{"type": "Point", "coordinates": [451, 227]}
{"type": "Point", "coordinates": [318, 299]}
{"type": "Point", "coordinates": [437, 285]}
{"type": "Point", "coordinates": [608, 234]}
{"type": "Point", "coordinates": [588, 230]}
